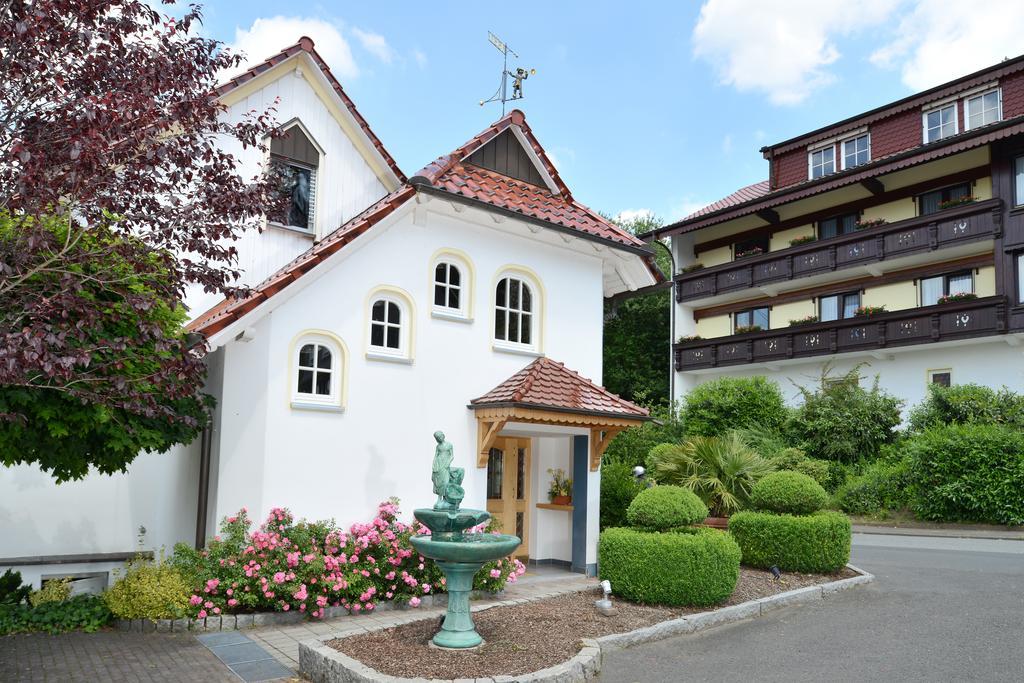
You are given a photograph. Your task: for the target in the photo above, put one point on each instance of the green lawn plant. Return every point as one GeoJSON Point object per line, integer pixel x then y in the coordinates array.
{"type": "Point", "coordinates": [53, 590]}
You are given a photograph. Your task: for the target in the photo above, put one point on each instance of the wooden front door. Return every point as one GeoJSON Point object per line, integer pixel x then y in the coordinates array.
{"type": "Point", "coordinates": [508, 489]}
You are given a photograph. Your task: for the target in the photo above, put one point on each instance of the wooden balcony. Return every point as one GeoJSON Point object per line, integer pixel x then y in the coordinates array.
{"type": "Point", "coordinates": [944, 322]}
{"type": "Point", "coordinates": [955, 226]}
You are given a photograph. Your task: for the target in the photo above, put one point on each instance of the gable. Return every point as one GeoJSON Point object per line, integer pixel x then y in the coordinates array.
{"type": "Point", "coordinates": [506, 156]}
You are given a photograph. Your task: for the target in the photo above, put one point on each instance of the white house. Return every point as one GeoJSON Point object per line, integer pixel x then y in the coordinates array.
{"type": "Point", "coordinates": [467, 299]}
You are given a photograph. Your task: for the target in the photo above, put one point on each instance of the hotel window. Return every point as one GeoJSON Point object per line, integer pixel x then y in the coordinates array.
{"type": "Point", "coordinates": [930, 202]}
{"type": "Point", "coordinates": [856, 151]}
{"type": "Point", "coordinates": [1018, 181]}
{"type": "Point", "coordinates": [822, 162]}
{"type": "Point", "coordinates": [983, 109]}
{"type": "Point", "coordinates": [1020, 278]}
{"type": "Point", "coordinates": [837, 225]}
{"type": "Point", "coordinates": [943, 378]}
{"type": "Point", "coordinates": [751, 247]}
{"type": "Point", "coordinates": [838, 306]}
{"type": "Point", "coordinates": [756, 318]}
{"type": "Point", "coordinates": [940, 123]}
{"type": "Point", "coordinates": [296, 159]}
{"type": "Point", "coordinates": [934, 288]}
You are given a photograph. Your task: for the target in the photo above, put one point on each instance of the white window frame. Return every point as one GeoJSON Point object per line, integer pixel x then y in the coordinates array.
{"type": "Point", "coordinates": [980, 95]}
{"type": "Point", "coordinates": [810, 160]}
{"type": "Point", "coordinates": [404, 325]}
{"type": "Point", "coordinates": [536, 311]}
{"type": "Point", "coordinates": [939, 108]}
{"type": "Point", "coordinates": [939, 371]}
{"type": "Point", "coordinates": [313, 400]}
{"type": "Point", "coordinates": [314, 179]}
{"type": "Point", "coordinates": [464, 311]}
{"type": "Point", "coordinates": [852, 138]}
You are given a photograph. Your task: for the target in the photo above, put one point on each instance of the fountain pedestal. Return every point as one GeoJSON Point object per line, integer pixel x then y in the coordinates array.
{"type": "Point", "coordinates": [458, 631]}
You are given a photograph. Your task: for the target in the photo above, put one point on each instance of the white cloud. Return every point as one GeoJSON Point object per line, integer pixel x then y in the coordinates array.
{"type": "Point", "coordinates": [375, 44]}
{"type": "Point", "coordinates": [783, 48]}
{"type": "Point", "coordinates": [630, 215]}
{"type": "Point", "coordinates": [420, 57]}
{"type": "Point", "coordinates": [727, 144]}
{"type": "Point", "coordinates": [269, 35]}
{"type": "Point", "coordinates": [937, 40]}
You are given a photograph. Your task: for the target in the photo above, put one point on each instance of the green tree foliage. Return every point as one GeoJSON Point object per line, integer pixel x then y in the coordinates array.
{"type": "Point", "coordinates": [618, 489]}
{"type": "Point", "coordinates": [636, 334]}
{"type": "Point", "coordinates": [134, 338]}
{"type": "Point", "coordinates": [715, 407]}
{"type": "Point", "coordinates": [720, 470]}
{"type": "Point", "coordinates": [633, 445]}
{"type": "Point", "coordinates": [967, 404]}
{"type": "Point", "coordinates": [839, 420]}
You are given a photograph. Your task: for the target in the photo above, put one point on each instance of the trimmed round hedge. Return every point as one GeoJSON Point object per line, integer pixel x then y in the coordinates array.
{"type": "Point", "coordinates": [787, 491]}
{"type": "Point", "coordinates": [694, 567]}
{"type": "Point", "coordinates": [818, 543]}
{"type": "Point", "coordinates": [666, 507]}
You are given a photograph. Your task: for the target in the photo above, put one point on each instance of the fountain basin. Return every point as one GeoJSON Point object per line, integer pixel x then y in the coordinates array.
{"type": "Point", "coordinates": [448, 523]}
{"type": "Point", "coordinates": [467, 548]}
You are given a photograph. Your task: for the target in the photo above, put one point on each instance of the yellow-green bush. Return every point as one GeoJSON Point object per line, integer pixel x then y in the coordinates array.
{"type": "Point", "coordinates": [54, 590]}
{"type": "Point", "coordinates": [148, 590]}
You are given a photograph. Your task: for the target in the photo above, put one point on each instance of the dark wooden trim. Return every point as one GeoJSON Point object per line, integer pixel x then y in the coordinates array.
{"type": "Point", "coordinates": [86, 558]}
{"type": "Point", "coordinates": [770, 216]}
{"type": "Point", "coordinates": [874, 186]}
{"type": "Point", "coordinates": [970, 174]}
{"type": "Point", "coordinates": [854, 284]}
{"type": "Point", "coordinates": [983, 317]}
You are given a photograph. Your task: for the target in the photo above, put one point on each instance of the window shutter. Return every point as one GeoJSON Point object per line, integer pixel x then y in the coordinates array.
{"type": "Point", "coordinates": [312, 201]}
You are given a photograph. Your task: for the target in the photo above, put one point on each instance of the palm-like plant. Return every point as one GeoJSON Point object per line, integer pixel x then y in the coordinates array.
{"type": "Point", "coordinates": [720, 470]}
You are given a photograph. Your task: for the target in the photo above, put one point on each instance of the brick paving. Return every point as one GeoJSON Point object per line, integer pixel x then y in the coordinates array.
{"type": "Point", "coordinates": [109, 656]}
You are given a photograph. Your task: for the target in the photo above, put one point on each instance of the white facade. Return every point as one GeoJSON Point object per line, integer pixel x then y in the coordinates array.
{"type": "Point", "coordinates": [338, 461]}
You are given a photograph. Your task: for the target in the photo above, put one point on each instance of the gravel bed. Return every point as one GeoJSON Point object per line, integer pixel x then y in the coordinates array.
{"type": "Point", "coordinates": [533, 636]}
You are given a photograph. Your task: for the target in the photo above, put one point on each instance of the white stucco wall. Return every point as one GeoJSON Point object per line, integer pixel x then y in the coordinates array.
{"type": "Point", "coordinates": [550, 530]}
{"type": "Point", "coordinates": [340, 465]}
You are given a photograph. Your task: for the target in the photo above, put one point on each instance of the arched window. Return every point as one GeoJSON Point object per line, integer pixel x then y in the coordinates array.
{"type": "Point", "coordinates": [514, 312]}
{"type": "Point", "coordinates": [386, 325]}
{"type": "Point", "coordinates": [448, 294]}
{"type": "Point", "coordinates": [316, 372]}
{"type": "Point", "coordinates": [451, 285]}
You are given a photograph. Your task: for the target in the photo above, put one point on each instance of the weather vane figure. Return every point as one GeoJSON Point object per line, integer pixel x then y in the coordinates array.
{"type": "Point", "coordinates": [517, 76]}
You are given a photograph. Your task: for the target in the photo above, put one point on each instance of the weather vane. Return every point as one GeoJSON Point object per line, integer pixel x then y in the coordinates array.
{"type": "Point", "coordinates": [517, 76]}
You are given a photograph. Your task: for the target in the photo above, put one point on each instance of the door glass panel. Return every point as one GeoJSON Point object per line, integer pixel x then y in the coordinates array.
{"type": "Point", "coordinates": [519, 524]}
{"type": "Point", "coordinates": [521, 475]}
{"type": "Point", "coordinates": [495, 470]}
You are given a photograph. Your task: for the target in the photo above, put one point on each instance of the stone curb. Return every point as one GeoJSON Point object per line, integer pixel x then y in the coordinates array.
{"type": "Point", "coordinates": [237, 622]}
{"type": "Point", "coordinates": [746, 610]}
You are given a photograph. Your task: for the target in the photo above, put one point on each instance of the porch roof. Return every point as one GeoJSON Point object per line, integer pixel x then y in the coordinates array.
{"type": "Point", "coordinates": [547, 392]}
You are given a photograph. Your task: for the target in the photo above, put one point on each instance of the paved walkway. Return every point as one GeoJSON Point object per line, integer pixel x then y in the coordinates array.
{"type": "Point", "coordinates": [282, 642]}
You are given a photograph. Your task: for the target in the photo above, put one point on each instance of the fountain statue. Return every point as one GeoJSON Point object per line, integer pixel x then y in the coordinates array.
{"type": "Point", "coordinates": [459, 555]}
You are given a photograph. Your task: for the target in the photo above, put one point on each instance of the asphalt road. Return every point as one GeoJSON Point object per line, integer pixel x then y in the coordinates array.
{"type": "Point", "coordinates": [940, 609]}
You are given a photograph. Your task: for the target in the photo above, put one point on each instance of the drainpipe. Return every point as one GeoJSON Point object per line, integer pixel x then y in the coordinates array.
{"type": "Point", "coordinates": [671, 321]}
{"type": "Point", "coordinates": [205, 442]}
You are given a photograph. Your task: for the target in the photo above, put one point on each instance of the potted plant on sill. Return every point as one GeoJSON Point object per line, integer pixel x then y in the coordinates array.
{"type": "Point", "coordinates": [805, 239]}
{"type": "Point", "coordinates": [753, 251]}
{"type": "Point", "coordinates": [689, 338]}
{"type": "Point", "coordinates": [870, 223]}
{"type": "Point", "coordinates": [868, 311]}
{"type": "Point", "coordinates": [747, 329]}
{"type": "Point", "coordinates": [804, 321]}
{"type": "Point", "coordinates": [950, 203]}
{"type": "Point", "coordinates": [560, 490]}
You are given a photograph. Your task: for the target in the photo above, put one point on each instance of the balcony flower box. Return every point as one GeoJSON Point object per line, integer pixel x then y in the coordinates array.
{"type": "Point", "coordinates": [691, 268]}
{"type": "Point", "coordinates": [753, 251]}
{"type": "Point", "coordinates": [872, 223]}
{"type": "Point", "coordinates": [805, 239]}
{"type": "Point", "coordinates": [804, 321]}
{"type": "Point", "coordinates": [950, 203]}
{"type": "Point", "coordinates": [747, 329]}
{"type": "Point", "coordinates": [953, 298]}
{"type": "Point", "coordinates": [689, 338]}
{"type": "Point", "coordinates": [868, 311]}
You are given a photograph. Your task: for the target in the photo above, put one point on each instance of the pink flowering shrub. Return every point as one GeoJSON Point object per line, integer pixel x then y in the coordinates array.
{"type": "Point", "coordinates": [287, 565]}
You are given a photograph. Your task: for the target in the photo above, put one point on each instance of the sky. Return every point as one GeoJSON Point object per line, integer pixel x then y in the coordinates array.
{"type": "Point", "coordinates": [656, 107]}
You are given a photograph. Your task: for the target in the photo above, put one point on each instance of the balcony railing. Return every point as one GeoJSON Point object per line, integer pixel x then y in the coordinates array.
{"type": "Point", "coordinates": [958, 225]}
{"type": "Point", "coordinates": [943, 322]}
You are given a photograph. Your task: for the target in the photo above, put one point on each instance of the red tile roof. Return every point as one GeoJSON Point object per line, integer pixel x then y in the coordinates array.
{"type": "Point", "coordinates": [451, 174]}
{"type": "Point", "coordinates": [305, 44]}
{"type": "Point", "coordinates": [545, 383]}
{"type": "Point", "coordinates": [744, 194]}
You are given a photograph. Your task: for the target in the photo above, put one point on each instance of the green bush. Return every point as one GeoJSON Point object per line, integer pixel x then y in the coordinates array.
{"type": "Point", "coordinates": [632, 445]}
{"type": "Point", "coordinates": [818, 543]}
{"type": "Point", "coordinates": [883, 485]}
{"type": "Point", "coordinates": [790, 492]}
{"type": "Point", "coordinates": [618, 489]}
{"type": "Point", "coordinates": [665, 507]}
{"type": "Point", "coordinates": [54, 590]}
{"type": "Point", "coordinates": [12, 592]}
{"type": "Point", "coordinates": [696, 567]}
{"type": "Point", "coordinates": [86, 612]}
{"type": "Point", "coordinates": [968, 473]}
{"type": "Point", "coordinates": [658, 453]}
{"type": "Point", "coordinates": [715, 407]}
{"type": "Point", "coordinates": [795, 460]}
{"type": "Point", "coordinates": [967, 404]}
{"type": "Point", "coordinates": [720, 470]}
{"type": "Point", "coordinates": [149, 590]}
{"type": "Point", "coordinates": [841, 421]}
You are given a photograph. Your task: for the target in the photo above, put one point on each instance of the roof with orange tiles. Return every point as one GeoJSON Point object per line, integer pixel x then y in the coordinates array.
{"type": "Point", "coordinates": [545, 383]}
{"type": "Point", "coordinates": [450, 173]}
{"type": "Point", "coordinates": [305, 44]}
{"type": "Point", "coordinates": [744, 194]}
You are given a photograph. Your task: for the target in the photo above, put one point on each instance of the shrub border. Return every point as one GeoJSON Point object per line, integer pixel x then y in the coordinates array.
{"type": "Point", "coordinates": [238, 622]}
{"type": "Point", "coordinates": [323, 664]}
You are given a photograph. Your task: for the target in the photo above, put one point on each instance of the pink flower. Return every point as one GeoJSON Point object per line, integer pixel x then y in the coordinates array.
{"type": "Point", "coordinates": [301, 594]}
{"type": "Point", "coordinates": [202, 614]}
{"type": "Point", "coordinates": [232, 602]}
{"type": "Point", "coordinates": [195, 600]}
{"type": "Point", "coordinates": [414, 602]}
{"type": "Point", "coordinates": [216, 610]}
{"type": "Point", "coordinates": [286, 607]}
{"type": "Point", "coordinates": [279, 577]}
{"type": "Point", "coordinates": [207, 604]}
{"type": "Point", "coordinates": [495, 573]}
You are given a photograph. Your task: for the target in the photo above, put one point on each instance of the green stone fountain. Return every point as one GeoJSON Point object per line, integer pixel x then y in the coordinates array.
{"type": "Point", "coordinates": [460, 555]}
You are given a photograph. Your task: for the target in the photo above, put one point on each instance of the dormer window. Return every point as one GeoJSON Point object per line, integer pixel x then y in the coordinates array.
{"type": "Point", "coordinates": [856, 151]}
{"type": "Point", "coordinates": [822, 162]}
{"type": "Point", "coordinates": [296, 159]}
{"type": "Point", "coordinates": [983, 109]}
{"type": "Point", "coordinates": [940, 123]}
